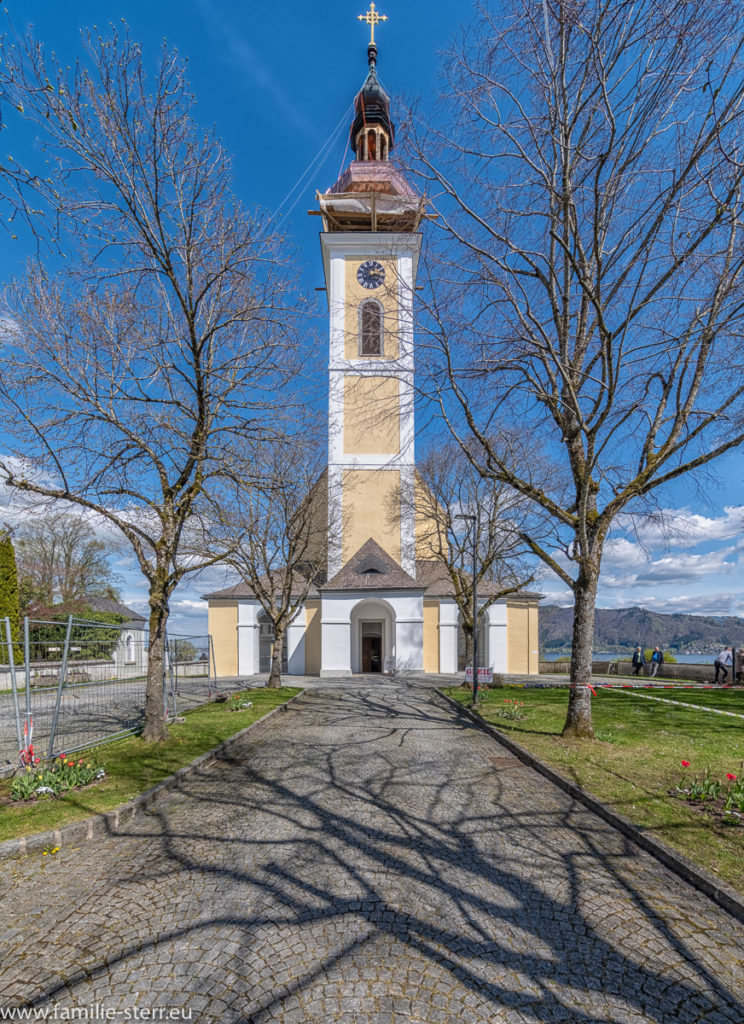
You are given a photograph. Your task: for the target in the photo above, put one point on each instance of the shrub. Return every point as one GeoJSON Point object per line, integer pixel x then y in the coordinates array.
{"type": "Point", "coordinates": [669, 658]}
{"type": "Point", "coordinates": [9, 606]}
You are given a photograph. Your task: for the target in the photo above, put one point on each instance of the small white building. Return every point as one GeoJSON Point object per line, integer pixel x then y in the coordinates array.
{"type": "Point", "coordinates": [131, 648]}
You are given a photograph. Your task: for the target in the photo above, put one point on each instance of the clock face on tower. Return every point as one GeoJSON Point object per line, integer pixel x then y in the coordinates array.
{"type": "Point", "coordinates": [371, 274]}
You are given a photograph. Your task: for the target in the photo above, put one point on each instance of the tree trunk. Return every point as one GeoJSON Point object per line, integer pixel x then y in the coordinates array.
{"type": "Point", "coordinates": [275, 675]}
{"type": "Point", "coordinates": [468, 631]}
{"type": "Point", "coordinates": [579, 718]}
{"type": "Point", "coordinates": [154, 730]}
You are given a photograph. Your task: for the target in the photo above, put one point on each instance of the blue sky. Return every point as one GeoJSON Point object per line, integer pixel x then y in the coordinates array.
{"type": "Point", "coordinates": [277, 81]}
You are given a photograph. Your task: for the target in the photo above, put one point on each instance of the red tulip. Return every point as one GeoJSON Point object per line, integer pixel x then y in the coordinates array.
{"type": "Point", "coordinates": [730, 777]}
{"type": "Point", "coordinates": [685, 764]}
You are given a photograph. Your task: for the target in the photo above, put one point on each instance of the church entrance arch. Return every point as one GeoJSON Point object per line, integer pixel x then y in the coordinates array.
{"type": "Point", "coordinates": [372, 636]}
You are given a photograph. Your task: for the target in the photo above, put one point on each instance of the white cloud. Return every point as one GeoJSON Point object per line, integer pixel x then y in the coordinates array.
{"type": "Point", "coordinates": [719, 603]}
{"type": "Point", "coordinates": [621, 552]}
{"type": "Point", "coordinates": [682, 528]}
{"type": "Point", "coordinates": [563, 597]}
{"type": "Point", "coordinates": [188, 610]}
{"type": "Point", "coordinates": [691, 570]}
{"type": "Point", "coordinates": [685, 568]}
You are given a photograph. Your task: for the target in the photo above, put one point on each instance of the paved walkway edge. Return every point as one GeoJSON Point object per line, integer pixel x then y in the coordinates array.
{"type": "Point", "coordinates": [106, 824]}
{"type": "Point", "coordinates": [712, 887]}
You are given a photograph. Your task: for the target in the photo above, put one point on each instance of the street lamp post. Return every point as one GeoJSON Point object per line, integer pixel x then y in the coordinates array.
{"type": "Point", "coordinates": [473, 519]}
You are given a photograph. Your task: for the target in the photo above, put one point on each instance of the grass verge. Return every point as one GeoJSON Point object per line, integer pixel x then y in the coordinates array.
{"type": "Point", "coordinates": [635, 760]}
{"type": "Point", "coordinates": [133, 766]}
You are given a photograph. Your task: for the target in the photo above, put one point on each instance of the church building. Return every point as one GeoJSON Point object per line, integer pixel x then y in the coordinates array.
{"type": "Point", "coordinates": [384, 606]}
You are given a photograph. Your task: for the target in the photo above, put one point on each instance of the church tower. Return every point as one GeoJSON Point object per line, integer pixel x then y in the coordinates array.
{"type": "Point", "coordinates": [379, 610]}
{"type": "Point", "coordinates": [370, 244]}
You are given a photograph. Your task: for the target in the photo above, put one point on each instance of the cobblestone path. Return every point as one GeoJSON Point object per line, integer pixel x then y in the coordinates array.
{"type": "Point", "coordinates": [367, 856]}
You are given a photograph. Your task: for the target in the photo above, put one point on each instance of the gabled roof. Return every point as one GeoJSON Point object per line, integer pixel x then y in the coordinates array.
{"type": "Point", "coordinates": [108, 604]}
{"type": "Point", "coordinates": [243, 589]}
{"type": "Point", "coordinates": [371, 568]}
{"type": "Point", "coordinates": [433, 575]}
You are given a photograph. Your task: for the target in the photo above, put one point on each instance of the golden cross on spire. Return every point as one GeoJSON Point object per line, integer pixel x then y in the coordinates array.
{"type": "Point", "coordinates": [372, 17]}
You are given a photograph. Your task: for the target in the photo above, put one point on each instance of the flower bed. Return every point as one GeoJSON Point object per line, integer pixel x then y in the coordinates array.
{"type": "Point", "coordinates": [725, 797]}
{"type": "Point", "coordinates": [61, 775]}
{"type": "Point", "coordinates": [512, 710]}
{"type": "Point", "coordinates": [238, 703]}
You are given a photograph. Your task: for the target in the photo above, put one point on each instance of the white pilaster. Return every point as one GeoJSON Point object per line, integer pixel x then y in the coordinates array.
{"type": "Point", "coordinates": [448, 612]}
{"type": "Point", "coordinates": [248, 632]}
{"type": "Point", "coordinates": [408, 520]}
{"type": "Point", "coordinates": [497, 637]}
{"type": "Point", "coordinates": [335, 626]}
{"type": "Point", "coordinates": [296, 644]}
{"type": "Point", "coordinates": [335, 519]}
{"type": "Point", "coordinates": [409, 642]}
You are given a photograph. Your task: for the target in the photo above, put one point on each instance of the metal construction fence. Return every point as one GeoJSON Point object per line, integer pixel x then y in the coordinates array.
{"type": "Point", "coordinates": [67, 685]}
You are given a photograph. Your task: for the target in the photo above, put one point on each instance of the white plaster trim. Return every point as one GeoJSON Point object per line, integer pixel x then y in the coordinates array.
{"type": "Point", "coordinates": [408, 517]}
{"type": "Point", "coordinates": [368, 461]}
{"type": "Point", "coordinates": [248, 637]}
{"type": "Point", "coordinates": [406, 400]}
{"type": "Point", "coordinates": [296, 633]}
{"type": "Point", "coordinates": [335, 418]}
{"type": "Point", "coordinates": [448, 612]}
{"type": "Point", "coordinates": [377, 366]}
{"type": "Point", "coordinates": [335, 518]}
{"type": "Point", "coordinates": [498, 650]}
{"type": "Point", "coordinates": [406, 284]}
{"type": "Point", "coordinates": [392, 245]}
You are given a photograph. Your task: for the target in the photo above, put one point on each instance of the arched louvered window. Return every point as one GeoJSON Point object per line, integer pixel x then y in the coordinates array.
{"type": "Point", "coordinates": [370, 329]}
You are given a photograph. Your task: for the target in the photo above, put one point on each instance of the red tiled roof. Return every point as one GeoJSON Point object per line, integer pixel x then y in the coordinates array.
{"type": "Point", "coordinates": [244, 590]}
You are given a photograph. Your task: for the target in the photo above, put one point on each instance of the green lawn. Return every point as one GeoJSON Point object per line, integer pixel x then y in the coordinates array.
{"type": "Point", "coordinates": [636, 757]}
{"type": "Point", "coordinates": [725, 700]}
{"type": "Point", "coordinates": [133, 766]}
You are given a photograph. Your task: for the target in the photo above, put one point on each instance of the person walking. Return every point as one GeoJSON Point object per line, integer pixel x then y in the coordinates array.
{"type": "Point", "coordinates": [722, 664]}
{"type": "Point", "coordinates": [657, 659]}
{"type": "Point", "coordinates": [638, 660]}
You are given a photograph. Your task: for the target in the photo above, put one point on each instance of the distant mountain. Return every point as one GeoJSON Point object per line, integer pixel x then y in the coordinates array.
{"type": "Point", "coordinates": [619, 629]}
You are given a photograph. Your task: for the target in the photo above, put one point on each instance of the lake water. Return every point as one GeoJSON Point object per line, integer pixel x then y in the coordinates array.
{"type": "Point", "coordinates": [682, 659]}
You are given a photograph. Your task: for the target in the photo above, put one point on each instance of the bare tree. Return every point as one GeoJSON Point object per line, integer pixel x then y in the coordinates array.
{"type": "Point", "coordinates": [60, 560]}
{"type": "Point", "coordinates": [133, 372]}
{"type": "Point", "coordinates": [587, 170]}
{"type": "Point", "coordinates": [448, 487]}
{"type": "Point", "coordinates": [276, 528]}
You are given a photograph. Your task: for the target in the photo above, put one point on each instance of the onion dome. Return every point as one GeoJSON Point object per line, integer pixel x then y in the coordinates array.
{"type": "Point", "coordinates": [372, 131]}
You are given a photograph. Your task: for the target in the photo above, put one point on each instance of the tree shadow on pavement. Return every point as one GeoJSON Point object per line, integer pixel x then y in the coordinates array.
{"type": "Point", "coordinates": [366, 862]}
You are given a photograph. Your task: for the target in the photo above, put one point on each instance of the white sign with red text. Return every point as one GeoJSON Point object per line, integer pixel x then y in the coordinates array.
{"type": "Point", "coordinates": [485, 675]}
